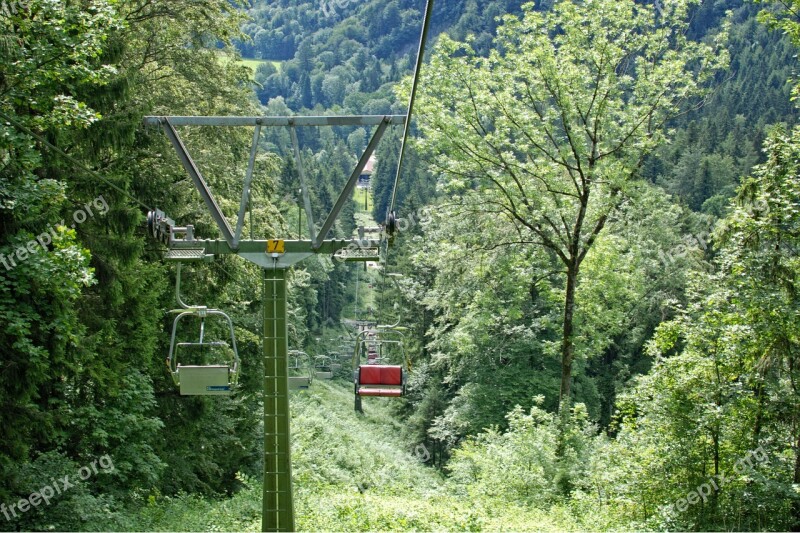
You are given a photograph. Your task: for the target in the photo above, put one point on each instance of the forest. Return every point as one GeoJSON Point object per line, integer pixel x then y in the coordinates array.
{"type": "Point", "coordinates": [595, 269]}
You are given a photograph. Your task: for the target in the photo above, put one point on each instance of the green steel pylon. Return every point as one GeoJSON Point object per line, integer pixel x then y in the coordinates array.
{"type": "Point", "coordinates": [275, 257]}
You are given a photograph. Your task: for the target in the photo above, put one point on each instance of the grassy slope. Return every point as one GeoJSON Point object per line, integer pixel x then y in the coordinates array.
{"type": "Point", "coordinates": [351, 473]}
{"type": "Point", "coordinates": [254, 63]}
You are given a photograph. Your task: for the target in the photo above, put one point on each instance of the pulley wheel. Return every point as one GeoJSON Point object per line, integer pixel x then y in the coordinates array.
{"type": "Point", "coordinates": [152, 225]}
{"type": "Point", "coordinates": [391, 224]}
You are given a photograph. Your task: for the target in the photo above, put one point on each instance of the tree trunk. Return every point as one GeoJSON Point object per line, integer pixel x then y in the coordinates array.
{"type": "Point", "coordinates": [567, 345]}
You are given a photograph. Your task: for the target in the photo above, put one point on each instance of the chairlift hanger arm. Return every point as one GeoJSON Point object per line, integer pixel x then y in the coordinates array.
{"type": "Point", "coordinates": [172, 361]}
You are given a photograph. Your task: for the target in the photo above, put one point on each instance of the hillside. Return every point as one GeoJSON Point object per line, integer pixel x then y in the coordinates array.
{"type": "Point", "coordinates": [349, 54]}
{"type": "Point", "coordinates": [352, 473]}
{"type": "Point", "coordinates": [595, 274]}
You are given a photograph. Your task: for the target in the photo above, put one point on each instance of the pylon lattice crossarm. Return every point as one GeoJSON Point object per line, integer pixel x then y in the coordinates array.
{"type": "Point", "coordinates": [233, 236]}
{"type": "Point", "coordinates": [294, 251]}
{"type": "Point", "coordinates": [333, 120]}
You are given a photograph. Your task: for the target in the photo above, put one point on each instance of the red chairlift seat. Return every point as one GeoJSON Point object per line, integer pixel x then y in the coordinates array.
{"type": "Point", "coordinates": [373, 377]}
{"type": "Point", "coordinates": [380, 380]}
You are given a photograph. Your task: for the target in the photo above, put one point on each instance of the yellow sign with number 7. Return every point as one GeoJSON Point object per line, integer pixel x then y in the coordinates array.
{"type": "Point", "coordinates": [276, 246]}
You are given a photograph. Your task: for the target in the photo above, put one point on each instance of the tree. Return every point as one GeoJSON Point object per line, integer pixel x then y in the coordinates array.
{"type": "Point", "coordinates": [82, 316]}
{"type": "Point", "coordinates": [719, 410]}
{"type": "Point", "coordinates": [760, 258]}
{"type": "Point", "coordinates": [52, 55]}
{"type": "Point", "coordinates": [551, 129]}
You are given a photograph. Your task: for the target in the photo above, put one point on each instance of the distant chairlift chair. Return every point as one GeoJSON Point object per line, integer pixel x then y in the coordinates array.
{"type": "Point", "coordinates": [322, 367]}
{"type": "Point", "coordinates": [300, 377]}
{"type": "Point", "coordinates": [335, 364]}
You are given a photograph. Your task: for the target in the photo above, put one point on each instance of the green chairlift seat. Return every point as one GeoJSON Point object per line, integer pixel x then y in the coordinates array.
{"type": "Point", "coordinates": [300, 377]}
{"type": "Point", "coordinates": [322, 367]}
{"type": "Point", "coordinates": [218, 379]}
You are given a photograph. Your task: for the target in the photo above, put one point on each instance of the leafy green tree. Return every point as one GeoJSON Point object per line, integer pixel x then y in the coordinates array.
{"type": "Point", "coordinates": [718, 413]}
{"type": "Point", "coordinates": [488, 317]}
{"type": "Point", "coordinates": [83, 316]}
{"type": "Point", "coordinates": [550, 130]}
{"type": "Point", "coordinates": [52, 54]}
{"type": "Point", "coordinates": [523, 465]}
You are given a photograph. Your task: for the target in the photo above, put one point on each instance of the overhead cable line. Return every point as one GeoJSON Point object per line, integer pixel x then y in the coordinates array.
{"type": "Point", "coordinates": [391, 220]}
{"type": "Point", "coordinates": [420, 54]}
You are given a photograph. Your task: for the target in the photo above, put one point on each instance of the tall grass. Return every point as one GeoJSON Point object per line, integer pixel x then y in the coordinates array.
{"type": "Point", "coordinates": [351, 473]}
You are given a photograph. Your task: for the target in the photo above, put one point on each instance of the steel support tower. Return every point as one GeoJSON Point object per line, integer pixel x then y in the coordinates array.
{"type": "Point", "coordinates": [275, 256]}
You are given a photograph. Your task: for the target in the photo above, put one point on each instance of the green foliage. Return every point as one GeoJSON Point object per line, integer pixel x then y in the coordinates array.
{"type": "Point", "coordinates": [548, 133]}
{"type": "Point", "coordinates": [352, 473]}
{"type": "Point", "coordinates": [333, 54]}
{"type": "Point", "coordinates": [81, 507]}
{"type": "Point", "coordinates": [718, 144]}
{"type": "Point", "coordinates": [487, 318]}
{"type": "Point", "coordinates": [533, 463]}
{"type": "Point", "coordinates": [544, 124]}
{"type": "Point", "coordinates": [83, 335]}
{"type": "Point", "coordinates": [716, 414]}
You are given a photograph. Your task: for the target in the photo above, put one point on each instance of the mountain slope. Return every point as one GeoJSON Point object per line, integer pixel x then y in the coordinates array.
{"type": "Point", "coordinates": [351, 473]}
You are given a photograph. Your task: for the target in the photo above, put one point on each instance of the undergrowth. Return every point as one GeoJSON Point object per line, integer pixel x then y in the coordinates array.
{"type": "Point", "coordinates": [352, 472]}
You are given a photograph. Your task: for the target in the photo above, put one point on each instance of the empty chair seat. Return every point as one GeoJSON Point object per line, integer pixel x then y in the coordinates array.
{"type": "Point", "coordinates": [380, 380]}
{"type": "Point", "coordinates": [209, 380]}
{"type": "Point", "coordinates": [299, 382]}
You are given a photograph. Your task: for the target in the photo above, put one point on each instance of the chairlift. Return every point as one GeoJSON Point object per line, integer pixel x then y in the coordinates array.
{"type": "Point", "coordinates": [205, 379]}
{"type": "Point", "coordinates": [322, 367]}
{"type": "Point", "coordinates": [300, 376]}
{"type": "Point", "coordinates": [372, 354]}
{"type": "Point", "coordinates": [371, 375]}
{"type": "Point", "coordinates": [344, 353]}
{"type": "Point", "coordinates": [335, 357]}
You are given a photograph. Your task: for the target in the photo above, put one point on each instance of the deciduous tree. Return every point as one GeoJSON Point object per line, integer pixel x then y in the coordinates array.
{"type": "Point", "coordinates": [551, 128]}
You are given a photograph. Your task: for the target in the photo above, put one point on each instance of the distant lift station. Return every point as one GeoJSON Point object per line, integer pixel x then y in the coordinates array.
{"type": "Point", "coordinates": [274, 256]}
